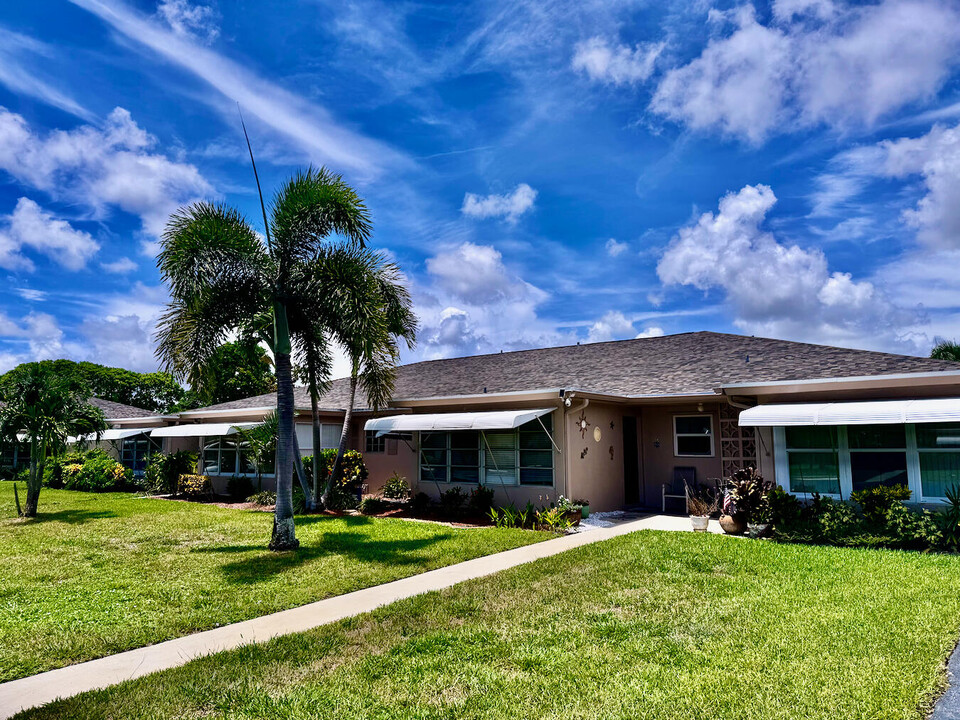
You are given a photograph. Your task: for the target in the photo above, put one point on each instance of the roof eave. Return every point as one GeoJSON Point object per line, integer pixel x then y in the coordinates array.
{"type": "Point", "coordinates": [895, 380]}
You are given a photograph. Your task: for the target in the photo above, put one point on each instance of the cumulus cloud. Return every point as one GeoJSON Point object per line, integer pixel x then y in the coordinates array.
{"type": "Point", "coordinates": [101, 168]}
{"type": "Point", "coordinates": [474, 303]}
{"type": "Point", "coordinates": [777, 289]}
{"type": "Point", "coordinates": [31, 226]}
{"type": "Point", "coordinates": [510, 205]}
{"type": "Point", "coordinates": [814, 63]}
{"type": "Point", "coordinates": [120, 266]}
{"type": "Point", "coordinates": [650, 332]}
{"type": "Point", "coordinates": [614, 248]}
{"type": "Point", "coordinates": [604, 61]}
{"type": "Point", "coordinates": [614, 325]}
{"type": "Point", "coordinates": [200, 22]}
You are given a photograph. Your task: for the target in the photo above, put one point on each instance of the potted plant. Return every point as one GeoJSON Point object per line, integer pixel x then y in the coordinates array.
{"type": "Point", "coordinates": [747, 492]}
{"type": "Point", "coordinates": [701, 504]}
{"type": "Point", "coordinates": [571, 510]}
{"type": "Point", "coordinates": [732, 520]}
{"type": "Point", "coordinates": [584, 507]}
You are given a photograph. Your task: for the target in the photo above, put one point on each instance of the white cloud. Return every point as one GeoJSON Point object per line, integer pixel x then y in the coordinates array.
{"type": "Point", "coordinates": [650, 332]}
{"type": "Point", "coordinates": [510, 205]}
{"type": "Point", "coordinates": [776, 289]}
{"type": "Point", "coordinates": [814, 63]}
{"type": "Point", "coordinates": [614, 325]}
{"type": "Point", "coordinates": [310, 126]}
{"type": "Point", "coordinates": [188, 20]}
{"type": "Point", "coordinates": [614, 248]}
{"type": "Point", "coordinates": [22, 60]}
{"type": "Point", "coordinates": [101, 167]}
{"type": "Point", "coordinates": [474, 303]}
{"type": "Point", "coordinates": [121, 266]}
{"type": "Point", "coordinates": [38, 333]}
{"type": "Point", "coordinates": [31, 226]}
{"type": "Point", "coordinates": [31, 294]}
{"type": "Point", "coordinates": [603, 61]}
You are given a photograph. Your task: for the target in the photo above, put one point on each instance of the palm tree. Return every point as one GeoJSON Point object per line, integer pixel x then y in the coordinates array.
{"type": "Point", "coordinates": [222, 276]}
{"type": "Point", "coordinates": [368, 313]}
{"type": "Point", "coordinates": [945, 350]}
{"type": "Point", "coordinates": [259, 445]}
{"type": "Point", "coordinates": [45, 408]}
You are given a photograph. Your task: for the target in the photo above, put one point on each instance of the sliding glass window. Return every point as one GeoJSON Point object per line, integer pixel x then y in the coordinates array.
{"type": "Point", "coordinates": [878, 455]}
{"type": "Point", "coordinates": [938, 445]}
{"type": "Point", "coordinates": [813, 457]}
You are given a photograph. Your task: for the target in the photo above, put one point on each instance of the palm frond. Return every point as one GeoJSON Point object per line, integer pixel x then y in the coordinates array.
{"type": "Point", "coordinates": [308, 209]}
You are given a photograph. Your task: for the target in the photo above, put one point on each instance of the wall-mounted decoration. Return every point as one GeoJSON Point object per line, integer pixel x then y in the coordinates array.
{"type": "Point", "coordinates": [611, 452]}
{"type": "Point", "coordinates": [584, 452]}
{"type": "Point", "coordinates": [583, 424]}
{"type": "Point", "coordinates": [656, 443]}
{"type": "Point", "coordinates": [611, 425]}
{"type": "Point", "coordinates": [597, 435]}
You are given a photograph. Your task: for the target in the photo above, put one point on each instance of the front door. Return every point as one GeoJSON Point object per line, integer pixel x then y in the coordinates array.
{"type": "Point", "coordinates": [633, 493]}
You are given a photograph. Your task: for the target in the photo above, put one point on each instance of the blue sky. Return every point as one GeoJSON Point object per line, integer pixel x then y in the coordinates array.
{"type": "Point", "coordinates": [543, 172]}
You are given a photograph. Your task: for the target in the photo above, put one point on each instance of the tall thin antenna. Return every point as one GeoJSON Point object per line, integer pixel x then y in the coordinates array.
{"type": "Point", "coordinates": [263, 208]}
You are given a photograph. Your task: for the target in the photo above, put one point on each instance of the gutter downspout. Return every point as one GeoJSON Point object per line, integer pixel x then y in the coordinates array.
{"type": "Point", "coordinates": [568, 462]}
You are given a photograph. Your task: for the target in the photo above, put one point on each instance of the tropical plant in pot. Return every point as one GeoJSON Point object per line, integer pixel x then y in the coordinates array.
{"type": "Point", "coordinates": [701, 504]}
{"type": "Point", "coordinates": [746, 497]}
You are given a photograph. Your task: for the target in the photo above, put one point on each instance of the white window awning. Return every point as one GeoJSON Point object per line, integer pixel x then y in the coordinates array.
{"type": "Point", "coordinates": [876, 412]}
{"type": "Point", "coordinates": [201, 429]}
{"type": "Point", "coordinates": [491, 420]}
{"type": "Point", "coordinates": [114, 434]}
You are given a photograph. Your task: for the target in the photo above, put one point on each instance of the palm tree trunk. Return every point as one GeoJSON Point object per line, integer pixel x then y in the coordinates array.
{"type": "Point", "coordinates": [317, 441]}
{"type": "Point", "coordinates": [344, 434]}
{"type": "Point", "coordinates": [284, 533]}
{"type": "Point", "coordinates": [298, 467]}
{"type": "Point", "coordinates": [34, 479]}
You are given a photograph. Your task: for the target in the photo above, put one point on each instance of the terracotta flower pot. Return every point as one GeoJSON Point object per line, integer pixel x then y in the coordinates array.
{"type": "Point", "coordinates": [733, 524]}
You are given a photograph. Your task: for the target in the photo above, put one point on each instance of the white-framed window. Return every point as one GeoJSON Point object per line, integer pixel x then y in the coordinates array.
{"type": "Point", "coordinates": [693, 435]}
{"type": "Point", "coordinates": [836, 461]}
{"type": "Point", "coordinates": [813, 459]}
{"type": "Point", "coordinates": [225, 456]}
{"type": "Point", "coordinates": [372, 443]}
{"type": "Point", "coordinates": [500, 457]}
{"type": "Point", "coordinates": [135, 452]}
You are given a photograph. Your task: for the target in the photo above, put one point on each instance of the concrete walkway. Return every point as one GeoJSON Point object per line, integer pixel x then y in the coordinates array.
{"type": "Point", "coordinates": [37, 690]}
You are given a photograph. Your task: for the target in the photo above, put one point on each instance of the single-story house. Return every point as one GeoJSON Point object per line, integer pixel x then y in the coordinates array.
{"type": "Point", "coordinates": [624, 423]}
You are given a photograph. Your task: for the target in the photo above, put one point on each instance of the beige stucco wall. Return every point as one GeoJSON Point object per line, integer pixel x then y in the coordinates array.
{"type": "Point", "coordinates": [658, 458]}
{"type": "Point", "coordinates": [595, 467]}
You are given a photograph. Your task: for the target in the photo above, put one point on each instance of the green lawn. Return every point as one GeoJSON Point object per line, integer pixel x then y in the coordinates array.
{"type": "Point", "coordinates": [651, 625]}
{"type": "Point", "coordinates": [95, 574]}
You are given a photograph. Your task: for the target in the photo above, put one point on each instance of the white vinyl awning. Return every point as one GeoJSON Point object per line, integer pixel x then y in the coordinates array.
{"type": "Point", "coordinates": [492, 420]}
{"type": "Point", "coordinates": [876, 412]}
{"type": "Point", "coordinates": [201, 429]}
{"type": "Point", "coordinates": [114, 434]}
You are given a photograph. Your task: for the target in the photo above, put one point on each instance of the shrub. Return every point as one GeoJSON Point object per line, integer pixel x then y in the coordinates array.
{"type": "Point", "coordinates": [239, 487]}
{"type": "Point", "coordinates": [912, 530]}
{"type": "Point", "coordinates": [92, 471]}
{"type": "Point", "coordinates": [745, 494]}
{"type": "Point", "coordinates": [195, 485]}
{"type": "Point", "coordinates": [451, 501]}
{"type": "Point", "coordinates": [396, 487]}
{"type": "Point", "coordinates": [354, 470]}
{"type": "Point", "coordinates": [420, 503]}
{"type": "Point", "coordinates": [948, 520]}
{"type": "Point", "coordinates": [480, 501]}
{"type": "Point", "coordinates": [264, 497]}
{"type": "Point", "coordinates": [552, 519]}
{"type": "Point", "coordinates": [876, 502]}
{"type": "Point", "coordinates": [163, 472]}
{"type": "Point", "coordinates": [374, 506]}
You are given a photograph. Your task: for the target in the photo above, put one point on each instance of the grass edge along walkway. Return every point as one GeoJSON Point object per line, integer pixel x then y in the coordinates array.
{"type": "Point", "coordinates": [37, 690]}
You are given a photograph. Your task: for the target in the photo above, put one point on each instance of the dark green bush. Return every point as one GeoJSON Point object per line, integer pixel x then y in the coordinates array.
{"type": "Point", "coordinates": [452, 501]}
{"type": "Point", "coordinates": [91, 471]}
{"type": "Point", "coordinates": [876, 502]}
{"type": "Point", "coordinates": [374, 506]}
{"type": "Point", "coordinates": [420, 503]}
{"type": "Point", "coordinates": [480, 501]}
{"type": "Point", "coordinates": [264, 497]}
{"type": "Point", "coordinates": [948, 520]}
{"type": "Point", "coordinates": [239, 487]}
{"type": "Point", "coordinates": [396, 487]}
{"type": "Point", "coordinates": [163, 472]}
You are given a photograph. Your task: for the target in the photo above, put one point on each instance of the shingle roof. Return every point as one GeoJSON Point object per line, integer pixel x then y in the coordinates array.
{"type": "Point", "coordinates": [115, 411]}
{"type": "Point", "coordinates": [694, 362]}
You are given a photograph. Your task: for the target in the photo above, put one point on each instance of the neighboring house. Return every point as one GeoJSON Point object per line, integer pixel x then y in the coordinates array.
{"type": "Point", "coordinates": [615, 422]}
